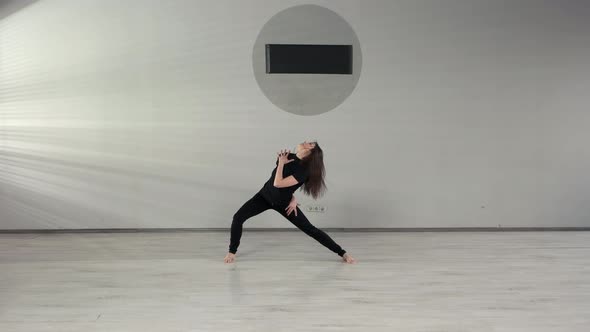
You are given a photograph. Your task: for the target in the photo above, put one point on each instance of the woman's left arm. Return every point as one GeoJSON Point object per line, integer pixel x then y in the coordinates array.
{"type": "Point", "coordinates": [279, 174]}
{"type": "Point", "coordinates": [279, 181]}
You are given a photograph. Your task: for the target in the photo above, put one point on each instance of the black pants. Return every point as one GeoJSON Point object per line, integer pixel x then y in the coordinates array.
{"type": "Point", "coordinates": [258, 204]}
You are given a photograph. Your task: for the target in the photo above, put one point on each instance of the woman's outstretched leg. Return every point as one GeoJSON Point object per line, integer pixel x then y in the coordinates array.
{"type": "Point", "coordinates": [255, 205]}
{"type": "Point", "coordinates": [301, 222]}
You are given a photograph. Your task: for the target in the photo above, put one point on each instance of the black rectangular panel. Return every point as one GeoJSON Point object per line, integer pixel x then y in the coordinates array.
{"type": "Point", "coordinates": [308, 59]}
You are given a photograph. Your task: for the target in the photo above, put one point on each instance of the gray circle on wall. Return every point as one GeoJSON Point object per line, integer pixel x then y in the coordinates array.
{"type": "Point", "coordinates": [306, 94]}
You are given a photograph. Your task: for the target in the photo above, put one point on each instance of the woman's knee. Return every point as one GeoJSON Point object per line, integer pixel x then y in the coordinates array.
{"type": "Point", "coordinates": [310, 229]}
{"type": "Point", "coordinates": [238, 218]}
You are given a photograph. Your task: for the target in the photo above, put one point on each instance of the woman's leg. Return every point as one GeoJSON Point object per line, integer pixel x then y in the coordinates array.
{"type": "Point", "coordinates": [255, 205]}
{"type": "Point", "coordinates": [301, 222]}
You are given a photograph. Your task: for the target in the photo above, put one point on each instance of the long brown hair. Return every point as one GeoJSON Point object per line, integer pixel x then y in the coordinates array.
{"type": "Point", "coordinates": [314, 163]}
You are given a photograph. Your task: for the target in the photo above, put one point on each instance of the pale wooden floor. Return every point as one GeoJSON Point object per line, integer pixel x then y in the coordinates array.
{"type": "Point", "coordinates": [285, 281]}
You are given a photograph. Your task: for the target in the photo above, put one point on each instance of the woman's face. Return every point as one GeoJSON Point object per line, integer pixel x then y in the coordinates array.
{"type": "Point", "coordinates": [305, 146]}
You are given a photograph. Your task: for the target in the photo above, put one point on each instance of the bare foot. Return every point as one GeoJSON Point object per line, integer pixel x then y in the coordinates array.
{"type": "Point", "coordinates": [348, 259]}
{"type": "Point", "coordinates": [229, 258]}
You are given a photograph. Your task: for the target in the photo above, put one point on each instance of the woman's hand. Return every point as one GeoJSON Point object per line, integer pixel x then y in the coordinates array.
{"type": "Point", "coordinates": [292, 207]}
{"type": "Point", "coordinates": [283, 157]}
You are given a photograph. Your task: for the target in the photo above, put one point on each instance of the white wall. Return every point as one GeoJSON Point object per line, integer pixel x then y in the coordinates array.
{"type": "Point", "coordinates": [145, 113]}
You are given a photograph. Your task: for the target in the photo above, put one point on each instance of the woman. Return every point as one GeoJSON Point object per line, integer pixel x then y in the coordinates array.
{"type": "Point", "coordinates": [293, 170]}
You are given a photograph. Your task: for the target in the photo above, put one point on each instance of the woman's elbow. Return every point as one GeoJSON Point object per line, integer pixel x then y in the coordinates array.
{"type": "Point", "coordinates": [281, 184]}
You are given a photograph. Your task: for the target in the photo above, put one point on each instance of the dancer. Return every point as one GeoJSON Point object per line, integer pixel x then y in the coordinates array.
{"type": "Point", "coordinates": [293, 170]}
